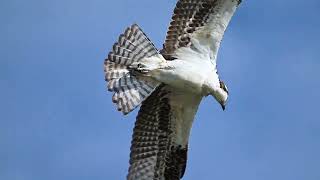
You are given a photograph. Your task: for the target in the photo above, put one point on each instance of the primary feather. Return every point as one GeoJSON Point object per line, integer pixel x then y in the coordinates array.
{"type": "Point", "coordinates": [169, 84]}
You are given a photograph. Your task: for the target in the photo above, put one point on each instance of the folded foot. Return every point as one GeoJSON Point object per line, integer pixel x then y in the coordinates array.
{"type": "Point", "coordinates": [140, 67]}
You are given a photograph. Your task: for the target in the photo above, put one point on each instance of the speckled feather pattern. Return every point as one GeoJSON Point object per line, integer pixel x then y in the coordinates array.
{"type": "Point", "coordinates": [154, 156]}
{"type": "Point", "coordinates": [129, 90]}
{"type": "Point", "coordinates": [188, 17]}
{"type": "Point", "coordinates": [160, 137]}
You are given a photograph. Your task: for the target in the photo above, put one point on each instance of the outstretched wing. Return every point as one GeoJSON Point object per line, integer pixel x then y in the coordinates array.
{"type": "Point", "coordinates": [199, 24]}
{"type": "Point", "coordinates": [160, 138]}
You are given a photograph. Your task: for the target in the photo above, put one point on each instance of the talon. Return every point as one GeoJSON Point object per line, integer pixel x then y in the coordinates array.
{"type": "Point", "coordinates": [142, 70]}
{"type": "Point", "coordinates": [140, 65]}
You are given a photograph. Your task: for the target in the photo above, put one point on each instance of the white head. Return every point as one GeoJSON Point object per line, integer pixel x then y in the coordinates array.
{"type": "Point", "coordinates": [221, 94]}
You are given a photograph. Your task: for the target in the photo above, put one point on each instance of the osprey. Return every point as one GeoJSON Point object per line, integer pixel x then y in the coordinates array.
{"type": "Point", "coordinates": [169, 84]}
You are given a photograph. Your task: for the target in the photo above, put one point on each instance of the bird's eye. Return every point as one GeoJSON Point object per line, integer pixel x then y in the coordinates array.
{"type": "Point", "coordinates": [224, 87]}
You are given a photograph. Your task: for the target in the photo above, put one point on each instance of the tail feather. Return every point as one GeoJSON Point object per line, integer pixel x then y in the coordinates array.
{"type": "Point", "coordinates": [122, 51]}
{"type": "Point", "coordinates": [129, 88]}
{"type": "Point", "coordinates": [118, 71]}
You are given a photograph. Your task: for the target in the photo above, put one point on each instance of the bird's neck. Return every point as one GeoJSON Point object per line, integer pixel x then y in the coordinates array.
{"type": "Point", "coordinates": [211, 85]}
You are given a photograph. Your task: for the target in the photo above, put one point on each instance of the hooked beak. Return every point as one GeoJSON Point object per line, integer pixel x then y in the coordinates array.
{"type": "Point", "coordinates": [223, 106]}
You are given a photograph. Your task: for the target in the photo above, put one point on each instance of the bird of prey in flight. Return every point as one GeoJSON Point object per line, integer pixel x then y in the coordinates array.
{"type": "Point", "coordinates": [168, 84]}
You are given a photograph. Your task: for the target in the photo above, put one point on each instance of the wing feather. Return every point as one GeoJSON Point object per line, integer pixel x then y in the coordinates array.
{"type": "Point", "coordinates": [160, 136]}
{"type": "Point", "coordinates": [192, 17]}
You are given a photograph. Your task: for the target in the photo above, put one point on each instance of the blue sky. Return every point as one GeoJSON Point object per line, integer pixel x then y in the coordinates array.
{"type": "Point", "coordinates": [57, 120]}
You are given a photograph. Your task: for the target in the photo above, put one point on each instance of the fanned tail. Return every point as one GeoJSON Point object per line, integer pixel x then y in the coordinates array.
{"type": "Point", "coordinates": [129, 88]}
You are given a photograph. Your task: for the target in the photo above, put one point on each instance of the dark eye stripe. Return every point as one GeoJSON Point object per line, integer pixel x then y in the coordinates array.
{"type": "Point", "coordinates": [223, 86]}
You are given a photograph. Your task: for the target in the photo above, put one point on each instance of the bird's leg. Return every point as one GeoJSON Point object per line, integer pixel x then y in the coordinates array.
{"type": "Point", "coordinates": [140, 67]}
{"type": "Point", "coordinates": [146, 65]}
